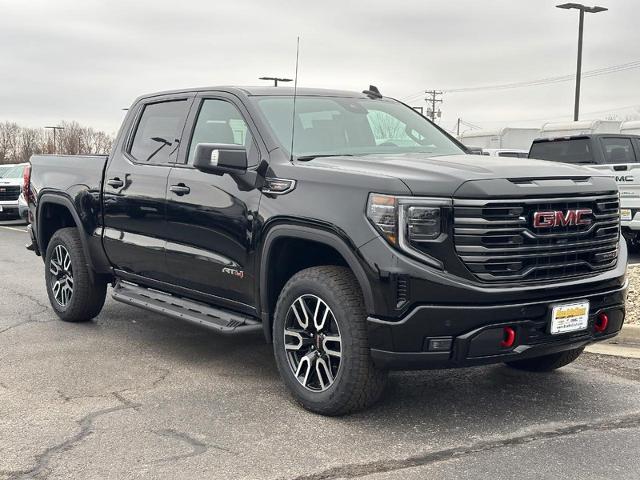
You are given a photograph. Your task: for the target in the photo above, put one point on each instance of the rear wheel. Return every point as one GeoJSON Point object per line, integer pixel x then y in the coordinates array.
{"type": "Point", "coordinates": [547, 363]}
{"type": "Point", "coordinates": [321, 345]}
{"type": "Point", "coordinates": [74, 294]}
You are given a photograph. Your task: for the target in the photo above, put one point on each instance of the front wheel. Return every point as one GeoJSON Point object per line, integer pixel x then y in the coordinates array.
{"type": "Point", "coordinates": [547, 363]}
{"type": "Point", "coordinates": [74, 294]}
{"type": "Point", "coordinates": [320, 342]}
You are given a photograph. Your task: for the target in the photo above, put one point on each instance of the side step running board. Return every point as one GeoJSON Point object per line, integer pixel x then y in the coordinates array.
{"type": "Point", "coordinates": [216, 319]}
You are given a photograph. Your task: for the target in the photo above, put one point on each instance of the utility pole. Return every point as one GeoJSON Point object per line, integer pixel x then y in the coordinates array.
{"type": "Point", "coordinates": [458, 128]}
{"type": "Point", "coordinates": [55, 129]}
{"type": "Point", "coordinates": [582, 9]}
{"type": "Point", "coordinates": [276, 80]}
{"type": "Point", "coordinates": [432, 97]}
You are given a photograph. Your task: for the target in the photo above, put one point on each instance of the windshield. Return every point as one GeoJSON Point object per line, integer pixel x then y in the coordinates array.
{"type": "Point", "coordinates": [567, 151]}
{"type": "Point", "coordinates": [11, 171]}
{"type": "Point", "coordinates": [327, 126]}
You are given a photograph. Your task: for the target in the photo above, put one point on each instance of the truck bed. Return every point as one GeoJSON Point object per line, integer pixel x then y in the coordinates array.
{"type": "Point", "coordinates": [67, 173]}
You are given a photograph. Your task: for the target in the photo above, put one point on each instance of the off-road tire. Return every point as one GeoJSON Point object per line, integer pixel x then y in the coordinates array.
{"type": "Point", "coordinates": [88, 294]}
{"type": "Point", "coordinates": [547, 363]}
{"type": "Point", "coordinates": [359, 383]}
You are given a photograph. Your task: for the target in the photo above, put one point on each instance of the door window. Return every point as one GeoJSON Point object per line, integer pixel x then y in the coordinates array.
{"type": "Point", "coordinates": [221, 122]}
{"type": "Point", "coordinates": [158, 132]}
{"type": "Point", "coordinates": [618, 150]}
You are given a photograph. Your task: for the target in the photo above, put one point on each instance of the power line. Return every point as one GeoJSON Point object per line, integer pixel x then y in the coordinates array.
{"type": "Point", "coordinates": [623, 67]}
{"type": "Point", "coordinates": [550, 80]}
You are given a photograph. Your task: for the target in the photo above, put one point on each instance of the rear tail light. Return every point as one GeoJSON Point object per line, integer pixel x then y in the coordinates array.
{"type": "Point", "coordinates": [26, 183]}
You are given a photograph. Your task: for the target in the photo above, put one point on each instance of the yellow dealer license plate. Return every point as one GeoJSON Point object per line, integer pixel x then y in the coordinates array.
{"type": "Point", "coordinates": [625, 214]}
{"type": "Point", "coordinates": [569, 317]}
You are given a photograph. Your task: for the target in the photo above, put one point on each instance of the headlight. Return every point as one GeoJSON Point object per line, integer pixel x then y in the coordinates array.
{"type": "Point", "coordinates": [423, 223]}
{"type": "Point", "coordinates": [407, 221]}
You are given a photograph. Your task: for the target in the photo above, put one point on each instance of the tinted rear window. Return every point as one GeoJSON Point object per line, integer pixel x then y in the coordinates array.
{"type": "Point", "coordinates": [566, 151]}
{"type": "Point", "coordinates": [513, 154]}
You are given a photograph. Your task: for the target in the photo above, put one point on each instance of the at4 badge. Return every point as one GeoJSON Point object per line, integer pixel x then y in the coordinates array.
{"type": "Point", "coordinates": [234, 272]}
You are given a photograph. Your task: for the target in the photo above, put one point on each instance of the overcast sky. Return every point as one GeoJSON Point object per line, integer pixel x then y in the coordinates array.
{"type": "Point", "coordinates": [85, 60]}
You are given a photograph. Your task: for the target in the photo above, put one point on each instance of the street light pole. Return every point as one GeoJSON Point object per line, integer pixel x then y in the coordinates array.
{"type": "Point", "coordinates": [582, 9]}
{"type": "Point", "coordinates": [576, 105]}
{"type": "Point", "coordinates": [55, 129]}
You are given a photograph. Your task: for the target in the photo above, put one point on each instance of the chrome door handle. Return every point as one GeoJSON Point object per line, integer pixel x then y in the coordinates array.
{"type": "Point", "coordinates": [115, 182]}
{"type": "Point", "coordinates": [180, 189]}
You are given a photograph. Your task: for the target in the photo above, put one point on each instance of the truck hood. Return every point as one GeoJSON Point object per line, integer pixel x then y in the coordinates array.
{"type": "Point", "coordinates": [10, 181]}
{"type": "Point", "coordinates": [446, 175]}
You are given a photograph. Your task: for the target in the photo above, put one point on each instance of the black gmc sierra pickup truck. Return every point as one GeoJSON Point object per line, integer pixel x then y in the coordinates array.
{"type": "Point", "coordinates": [355, 234]}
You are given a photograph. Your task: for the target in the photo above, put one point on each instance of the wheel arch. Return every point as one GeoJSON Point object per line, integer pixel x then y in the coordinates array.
{"type": "Point", "coordinates": [310, 234]}
{"type": "Point", "coordinates": [44, 234]}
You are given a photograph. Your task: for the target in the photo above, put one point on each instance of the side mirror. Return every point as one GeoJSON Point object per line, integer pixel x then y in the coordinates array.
{"type": "Point", "coordinates": [219, 158]}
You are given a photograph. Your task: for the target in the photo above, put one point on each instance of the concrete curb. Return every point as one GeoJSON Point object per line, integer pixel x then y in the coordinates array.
{"type": "Point", "coordinates": [628, 334]}
{"type": "Point", "coordinates": [626, 344]}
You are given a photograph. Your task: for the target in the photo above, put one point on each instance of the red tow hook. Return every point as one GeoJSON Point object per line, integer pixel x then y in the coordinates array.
{"type": "Point", "coordinates": [509, 337]}
{"type": "Point", "coordinates": [602, 322]}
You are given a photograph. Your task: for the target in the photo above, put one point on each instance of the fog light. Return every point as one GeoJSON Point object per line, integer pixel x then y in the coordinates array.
{"type": "Point", "coordinates": [440, 344]}
{"type": "Point", "coordinates": [602, 322]}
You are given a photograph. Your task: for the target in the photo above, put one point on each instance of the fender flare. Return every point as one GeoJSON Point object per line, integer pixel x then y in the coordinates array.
{"type": "Point", "coordinates": [61, 199]}
{"type": "Point", "coordinates": [316, 235]}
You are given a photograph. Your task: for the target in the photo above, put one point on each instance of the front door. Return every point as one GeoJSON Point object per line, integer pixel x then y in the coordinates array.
{"type": "Point", "coordinates": [135, 188]}
{"type": "Point", "coordinates": [210, 239]}
{"type": "Point", "coordinates": [622, 155]}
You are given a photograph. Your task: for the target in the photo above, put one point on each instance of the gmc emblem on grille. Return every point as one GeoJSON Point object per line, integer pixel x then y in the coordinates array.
{"type": "Point", "coordinates": [558, 218]}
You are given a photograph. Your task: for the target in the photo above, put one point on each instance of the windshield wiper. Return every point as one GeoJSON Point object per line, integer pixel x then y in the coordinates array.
{"type": "Point", "coordinates": [305, 158]}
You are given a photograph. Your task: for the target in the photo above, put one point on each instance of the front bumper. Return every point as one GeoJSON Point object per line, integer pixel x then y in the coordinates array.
{"type": "Point", "coordinates": [475, 332]}
{"type": "Point", "coordinates": [633, 224]}
{"type": "Point", "coordinates": [9, 208]}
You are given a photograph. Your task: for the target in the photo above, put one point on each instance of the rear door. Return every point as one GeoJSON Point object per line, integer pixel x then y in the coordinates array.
{"type": "Point", "coordinates": [134, 202]}
{"type": "Point", "coordinates": [211, 218]}
{"type": "Point", "coordinates": [621, 155]}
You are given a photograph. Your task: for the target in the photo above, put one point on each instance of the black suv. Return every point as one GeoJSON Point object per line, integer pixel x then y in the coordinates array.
{"type": "Point", "coordinates": [354, 233]}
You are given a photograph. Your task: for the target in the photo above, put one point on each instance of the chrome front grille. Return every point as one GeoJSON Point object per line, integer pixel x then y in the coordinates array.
{"type": "Point", "coordinates": [497, 240]}
{"type": "Point", "coordinates": [9, 192]}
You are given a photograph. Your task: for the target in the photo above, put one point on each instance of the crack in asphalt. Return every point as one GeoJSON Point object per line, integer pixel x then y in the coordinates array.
{"type": "Point", "coordinates": [197, 447]}
{"type": "Point", "coordinates": [30, 319]}
{"type": "Point", "coordinates": [86, 428]}
{"type": "Point", "coordinates": [383, 466]}
{"type": "Point", "coordinates": [29, 296]}
{"type": "Point", "coordinates": [164, 373]}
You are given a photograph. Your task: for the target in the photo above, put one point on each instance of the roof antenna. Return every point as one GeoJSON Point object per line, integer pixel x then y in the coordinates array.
{"type": "Point", "coordinates": [295, 94]}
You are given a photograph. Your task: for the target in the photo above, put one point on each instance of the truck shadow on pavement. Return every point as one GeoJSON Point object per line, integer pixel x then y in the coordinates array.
{"type": "Point", "coordinates": [467, 399]}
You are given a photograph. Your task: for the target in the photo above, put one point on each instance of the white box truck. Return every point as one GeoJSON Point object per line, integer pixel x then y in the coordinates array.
{"type": "Point", "coordinates": [582, 127]}
{"type": "Point", "coordinates": [631, 127]}
{"type": "Point", "coordinates": [503, 138]}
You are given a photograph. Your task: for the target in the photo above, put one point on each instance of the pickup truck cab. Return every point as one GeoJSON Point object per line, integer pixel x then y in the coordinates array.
{"type": "Point", "coordinates": [616, 154]}
{"type": "Point", "coordinates": [355, 234]}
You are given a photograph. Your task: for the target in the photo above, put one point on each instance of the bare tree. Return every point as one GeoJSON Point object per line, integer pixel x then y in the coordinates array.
{"type": "Point", "coordinates": [9, 132]}
{"type": "Point", "coordinates": [17, 144]}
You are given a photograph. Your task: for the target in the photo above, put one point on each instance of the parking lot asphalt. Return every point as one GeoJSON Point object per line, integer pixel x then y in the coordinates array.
{"type": "Point", "coordinates": [137, 395]}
